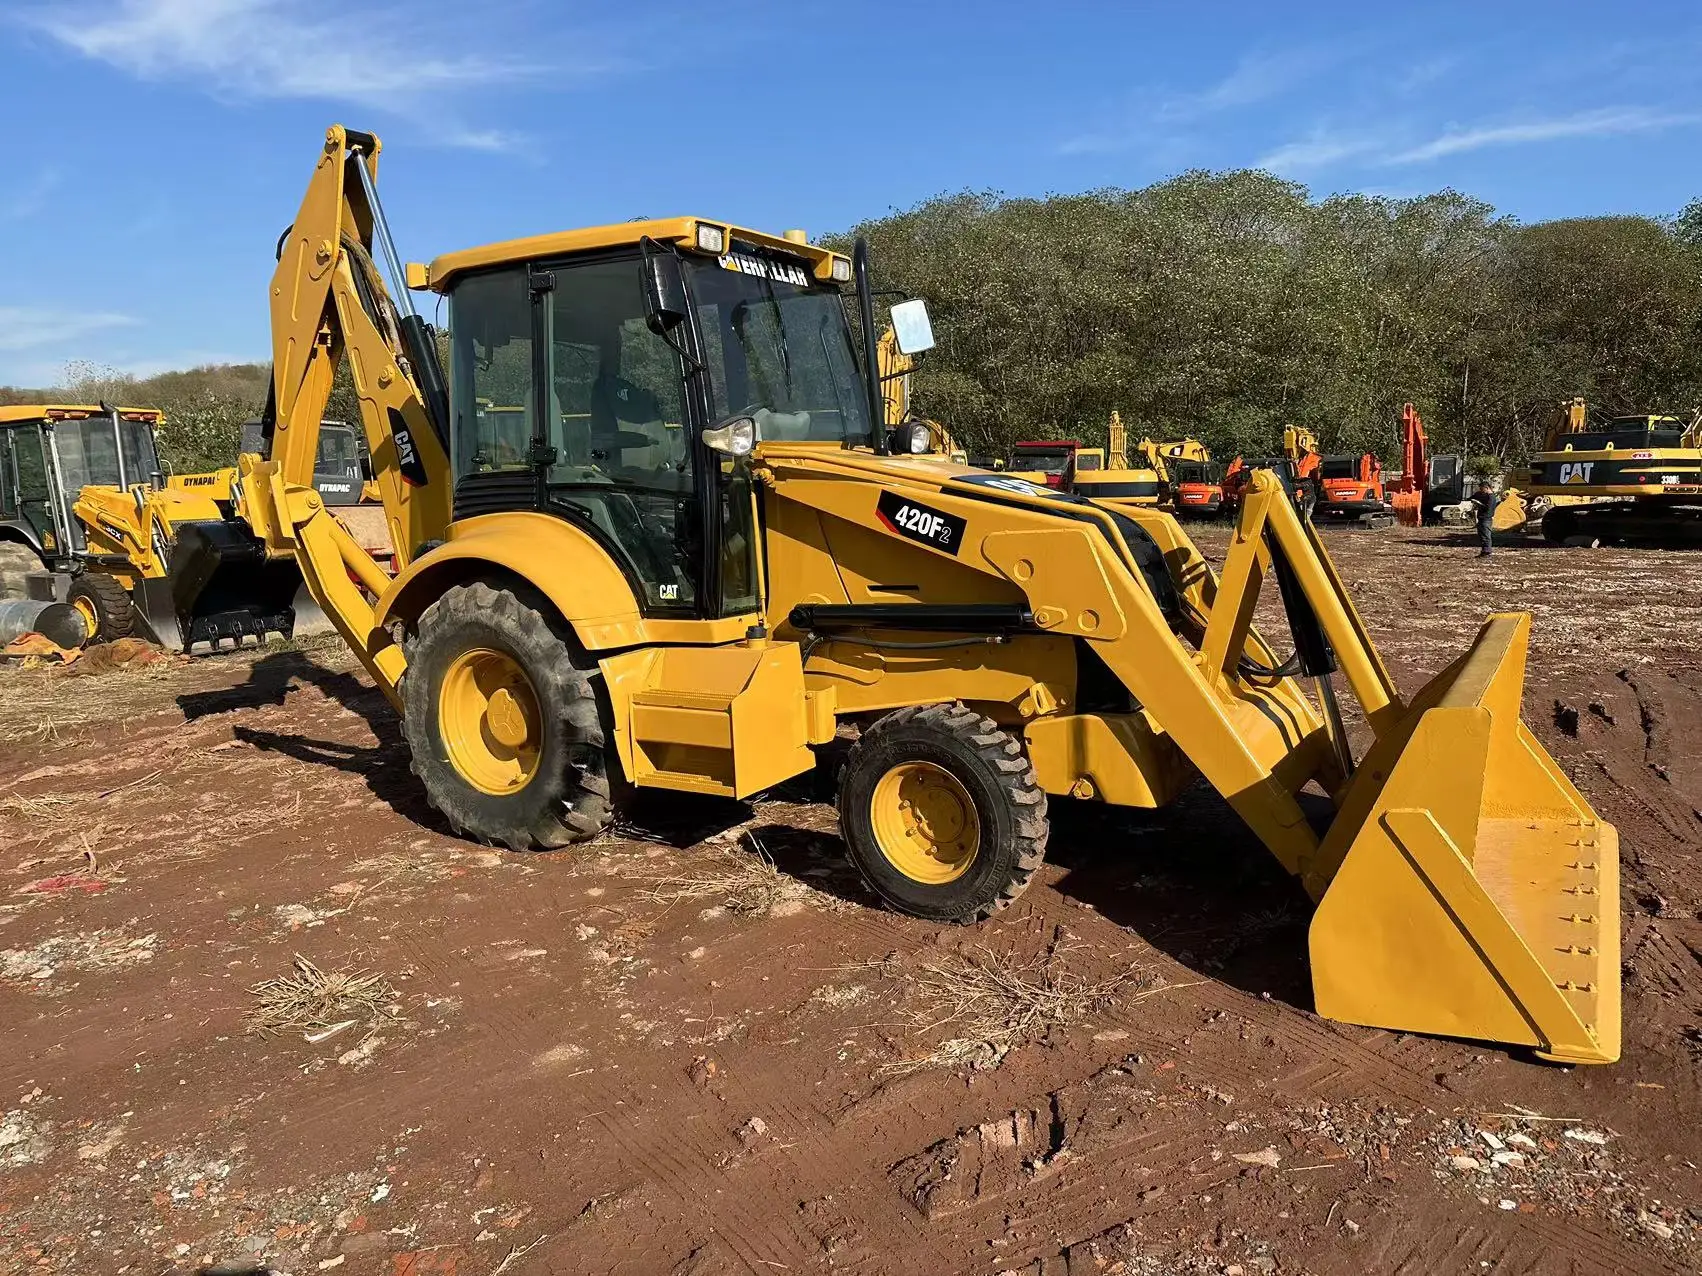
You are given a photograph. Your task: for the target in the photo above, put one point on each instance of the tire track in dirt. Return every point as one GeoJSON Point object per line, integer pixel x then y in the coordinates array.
{"type": "Point", "coordinates": [665, 1152]}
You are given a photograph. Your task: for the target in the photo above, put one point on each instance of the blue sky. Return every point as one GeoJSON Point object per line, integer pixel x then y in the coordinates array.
{"type": "Point", "coordinates": [168, 141]}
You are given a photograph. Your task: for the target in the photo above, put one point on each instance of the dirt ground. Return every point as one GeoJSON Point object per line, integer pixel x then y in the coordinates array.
{"type": "Point", "coordinates": [698, 1047]}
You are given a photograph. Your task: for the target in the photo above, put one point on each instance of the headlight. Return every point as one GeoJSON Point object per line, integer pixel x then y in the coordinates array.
{"type": "Point", "coordinates": [914, 438]}
{"type": "Point", "coordinates": [711, 239]}
{"type": "Point", "coordinates": [735, 436]}
{"type": "Point", "coordinates": [841, 270]}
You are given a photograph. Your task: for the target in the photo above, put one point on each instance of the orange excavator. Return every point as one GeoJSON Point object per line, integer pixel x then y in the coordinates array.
{"type": "Point", "coordinates": [1350, 490]}
{"type": "Point", "coordinates": [1426, 481]}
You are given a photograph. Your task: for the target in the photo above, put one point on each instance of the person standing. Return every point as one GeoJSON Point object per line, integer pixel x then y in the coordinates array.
{"type": "Point", "coordinates": [1486, 498]}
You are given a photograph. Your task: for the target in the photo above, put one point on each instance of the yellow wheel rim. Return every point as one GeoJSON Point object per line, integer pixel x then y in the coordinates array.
{"type": "Point", "coordinates": [488, 715]}
{"type": "Point", "coordinates": [925, 823]}
{"type": "Point", "coordinates": [86, 609]}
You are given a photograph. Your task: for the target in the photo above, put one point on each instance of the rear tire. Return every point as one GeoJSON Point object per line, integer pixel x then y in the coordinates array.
{"type": "Point", "coordinates": [1558, 525]}
{"type": "Point", "coordinates": [505, 731]}
{"type": "Point", "coordinates": [104, 605]}
{"type": "Point", "coordinates": [941, 813]}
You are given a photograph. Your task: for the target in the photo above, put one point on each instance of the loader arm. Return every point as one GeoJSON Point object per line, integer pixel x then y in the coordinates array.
{"type": "Point", "coordinates": [329, 302]}
{"type": "Point", "coordinates": [1464, 886]}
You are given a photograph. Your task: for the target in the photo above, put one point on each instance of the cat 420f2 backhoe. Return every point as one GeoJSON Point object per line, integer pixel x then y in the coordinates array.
{"type": "Point", "coordinates": [710, 554]}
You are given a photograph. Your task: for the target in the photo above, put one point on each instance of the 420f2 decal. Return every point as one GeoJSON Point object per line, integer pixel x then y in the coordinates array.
{"type": "Point", "coordinates": [915, 521]}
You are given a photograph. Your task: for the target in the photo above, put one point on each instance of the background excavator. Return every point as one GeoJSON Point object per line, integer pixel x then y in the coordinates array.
{"type": "Point", "coordinates": [1191, 482]}
{"type": "Point", "coordinates": [1117, 483]}
{"type": "Point", "coordinates": [1426, 482]}
{"type": "Point", "coordinates": [712, 556]}
{"type": "Point", "coordinates": [1629, 478]}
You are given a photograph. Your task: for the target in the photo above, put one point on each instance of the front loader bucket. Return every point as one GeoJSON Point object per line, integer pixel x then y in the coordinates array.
{"type": "Point", "coordinates": [1475, 893]}
{"type": "Point", "coordinates": [220, 586]}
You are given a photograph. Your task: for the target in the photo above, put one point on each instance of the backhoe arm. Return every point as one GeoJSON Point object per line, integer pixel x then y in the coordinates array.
{"type": "Point", "coordinates": [328, 302]}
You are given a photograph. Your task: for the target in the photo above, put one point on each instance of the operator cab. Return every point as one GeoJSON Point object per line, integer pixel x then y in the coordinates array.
{"type": "Point", "coordinates": [49, 454]}
{"type": "Point", "coordinates": [619, 378]}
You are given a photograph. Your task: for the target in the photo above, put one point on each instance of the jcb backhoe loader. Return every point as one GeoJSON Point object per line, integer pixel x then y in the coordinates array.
{"type": "Point", "coordinates": [82, 488]}
{"type": "Point", "coordinates": [709, 558]}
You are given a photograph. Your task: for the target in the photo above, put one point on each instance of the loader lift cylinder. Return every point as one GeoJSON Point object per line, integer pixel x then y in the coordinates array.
{"type": "Point", "coordinates": [1311, 648]}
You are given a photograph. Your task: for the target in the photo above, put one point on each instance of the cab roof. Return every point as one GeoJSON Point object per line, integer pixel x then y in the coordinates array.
{"type": "Point", "coordinates": [17, 412]}
{"type": "Point", "coordinates": [683, 232]}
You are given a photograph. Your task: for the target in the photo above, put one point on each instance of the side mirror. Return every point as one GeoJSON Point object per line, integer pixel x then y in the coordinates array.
{"type": "Point", "coordinates": [911, 327]}
{"type": "Point", "coordinates": [664, 292]}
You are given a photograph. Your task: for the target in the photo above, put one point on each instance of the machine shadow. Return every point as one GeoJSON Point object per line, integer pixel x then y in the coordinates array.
{"type": "Point", "coordinates": [270, 681]}
{"type": "Point", "coordinates": [1195, 883]}
{"type": "Point", "coordinates": [383, 766]}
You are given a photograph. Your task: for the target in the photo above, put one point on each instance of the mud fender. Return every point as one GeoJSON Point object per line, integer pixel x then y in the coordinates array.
{"type": "Point", "coordinates": [561, 561]}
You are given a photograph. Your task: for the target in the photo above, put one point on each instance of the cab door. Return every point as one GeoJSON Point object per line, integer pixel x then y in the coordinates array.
{"type": "Point", "coordinates": [27, 501]}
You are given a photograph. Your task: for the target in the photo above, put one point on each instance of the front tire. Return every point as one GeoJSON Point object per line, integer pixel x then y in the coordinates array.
{"type": "Point", "coordinates": [505, 731]}
{"type": "Point", "coordinates": [105, 606]}
{"type": "Point", "coordinates": [941, 813]}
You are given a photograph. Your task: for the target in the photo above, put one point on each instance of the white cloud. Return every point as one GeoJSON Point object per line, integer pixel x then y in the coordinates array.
{"type": "Point", "coordinates": [1257, 77]}
{"type": "Point", "coordinates": [496, 141]}
{"type": "Point", "coordinates": [31, 328]}
{"type": "Point", "coordinates": [1607, 122]}
{"type": "Point", "coordinates": [1320, 150]}
{"type": "Point", "coordinates": [27, 198]}
{"type": "Point", "coordinates": [252, 49]}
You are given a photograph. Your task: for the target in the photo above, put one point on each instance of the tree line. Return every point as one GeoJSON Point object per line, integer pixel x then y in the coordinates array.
{"type": "Point", "coordinates": [1222, 306]}
{"type": "Point", "coordinates": [1225, 305]}
{"type": "Point", "coordinates": [204, 407]}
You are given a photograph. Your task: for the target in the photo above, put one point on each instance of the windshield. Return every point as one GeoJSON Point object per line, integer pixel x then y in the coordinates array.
{"type": "Point", "coordinates": [1043, 462]}
{"type": "Point", "coordinates": [1339, 467]}
{"type": "Point", "coordinates": [88, 454]}
{"type": "Point", "coordinates": [338, 452]}
{"type": "Point", "coordinates": [141, 461]}
{"type": "Point", "coordinates": [779, 348]}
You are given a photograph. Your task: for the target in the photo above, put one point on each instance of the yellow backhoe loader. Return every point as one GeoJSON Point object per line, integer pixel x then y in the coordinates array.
{"type": "Point", "coordinates": [709, 557]}
{"type": "Point", "coordinates": [133, 552]}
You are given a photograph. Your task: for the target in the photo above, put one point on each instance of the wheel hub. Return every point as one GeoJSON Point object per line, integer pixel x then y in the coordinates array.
{"type": "Point", "coordinates": [491, 726]}
{"type": "Point", "coordinates": [86, 610]}
{"type": "Point", "coordinates": [925, 822]}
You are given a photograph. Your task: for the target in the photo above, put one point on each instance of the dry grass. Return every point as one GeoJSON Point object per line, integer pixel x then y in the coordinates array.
{"type": "Point", "coordinates": [309, 999]}
{"type": "Point", "coordinates": [743, 883]}
{"type": "Point", "coordinates": [992, 1003]}
{"type": "Point", "coordinates": [46, 808]}
{"type": "Point", "coordinates": [41, 705]}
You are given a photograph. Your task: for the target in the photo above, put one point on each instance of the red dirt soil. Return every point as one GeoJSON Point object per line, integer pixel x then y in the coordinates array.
{"type": "Point", "coordinates": [654, 1056]}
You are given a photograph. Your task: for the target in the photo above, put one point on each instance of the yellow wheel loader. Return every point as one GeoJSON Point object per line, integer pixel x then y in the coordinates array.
{"type": "Point", "coordinates": [708, 558]}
